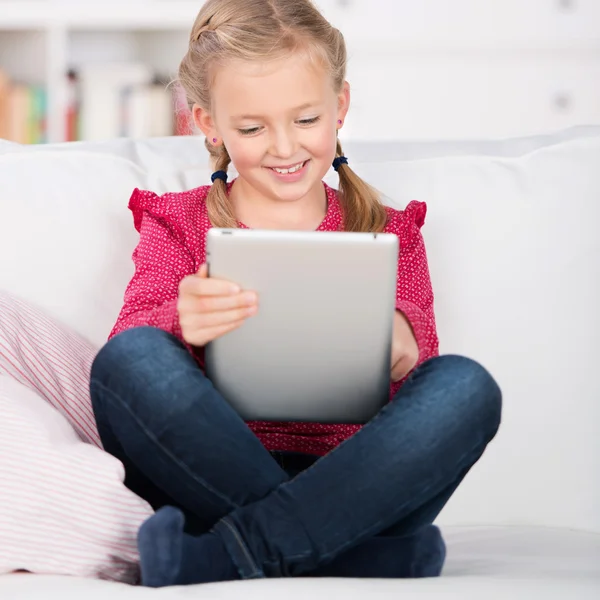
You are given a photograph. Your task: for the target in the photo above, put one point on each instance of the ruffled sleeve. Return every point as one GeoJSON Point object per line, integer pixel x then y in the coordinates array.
{"type": "Point", "coordinates": [161, 261]}
{"type": "Point", "coordinates": [414, 294]}
{"type": "Point", "coordinates": [142, 201]}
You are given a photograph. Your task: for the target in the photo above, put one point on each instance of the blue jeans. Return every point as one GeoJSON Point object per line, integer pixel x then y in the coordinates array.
{"type": "Point", "coordinates": [182, 444]}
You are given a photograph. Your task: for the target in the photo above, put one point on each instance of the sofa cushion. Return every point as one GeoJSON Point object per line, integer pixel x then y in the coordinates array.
{"type": "Point", "coordinates": [513, 249]}
{"type": "Point", "coordinates": [491, 563]}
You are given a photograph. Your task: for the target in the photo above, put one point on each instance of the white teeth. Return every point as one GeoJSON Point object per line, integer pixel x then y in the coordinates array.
{"type": "Point", "coordinates": [287, 171]}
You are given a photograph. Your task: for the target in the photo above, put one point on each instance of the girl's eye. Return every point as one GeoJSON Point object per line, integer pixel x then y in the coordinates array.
{"type": "Point", "coordinates": [250, 131]}
{"type": "Point", "coordinates": [255, 130]}
{"type": "Point", "coordinates": [310, 121]}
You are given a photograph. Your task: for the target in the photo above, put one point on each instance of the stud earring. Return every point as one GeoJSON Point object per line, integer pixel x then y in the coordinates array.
{"type": "Point", "coordinates": [339, 121]}
{"type": "Point", "coordinates": [215, 140]}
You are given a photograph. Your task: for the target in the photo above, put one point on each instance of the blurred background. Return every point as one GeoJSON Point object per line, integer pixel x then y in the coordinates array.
{"type": "Point", "coordinates": [418, 69]}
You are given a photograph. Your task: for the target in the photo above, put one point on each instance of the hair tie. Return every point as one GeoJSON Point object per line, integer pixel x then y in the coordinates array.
{"type": "Point", "coordinates": [222, 175]}
{"type": "Point", "coordinates": [340, 160]}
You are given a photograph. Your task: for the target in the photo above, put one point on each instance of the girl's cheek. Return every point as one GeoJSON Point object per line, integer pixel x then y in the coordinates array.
{"type": "Point", "coordinates": [325, 143]}
{"type": "Point", "coordinates": [241, 154]}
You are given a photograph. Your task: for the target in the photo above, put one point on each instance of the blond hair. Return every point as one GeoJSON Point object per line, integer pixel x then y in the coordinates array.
{"type": "Point", "coordinates": [259, 30]}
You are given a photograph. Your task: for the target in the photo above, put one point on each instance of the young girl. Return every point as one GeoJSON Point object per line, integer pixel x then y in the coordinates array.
{"type": "Point", "coordinates": [266, 83]}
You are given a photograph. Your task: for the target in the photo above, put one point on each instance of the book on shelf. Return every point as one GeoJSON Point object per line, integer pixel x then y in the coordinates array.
{"type": "Point", "coordinates": [22, 111]}
{"type": "Point", "coordinates": [128, 100]}
{"type": "Point", "coordinates": [102, 102]}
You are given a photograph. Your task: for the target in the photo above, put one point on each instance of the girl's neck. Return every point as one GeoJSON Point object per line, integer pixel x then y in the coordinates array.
{"type": "Point", "coordinates": [257, 211]}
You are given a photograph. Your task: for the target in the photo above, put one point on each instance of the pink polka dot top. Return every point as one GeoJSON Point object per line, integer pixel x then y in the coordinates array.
{"type": "Point", "coordinates": [173, 229]}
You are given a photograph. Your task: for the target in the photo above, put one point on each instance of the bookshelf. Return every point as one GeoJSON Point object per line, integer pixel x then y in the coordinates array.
{"type": "Point", "coordinates": [419, 69]}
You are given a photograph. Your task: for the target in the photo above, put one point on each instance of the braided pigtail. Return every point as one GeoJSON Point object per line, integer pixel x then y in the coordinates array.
{"type": "Point", "coordinates": [220, 210]}
{"type": "Point", "coordinates": [363, 210]}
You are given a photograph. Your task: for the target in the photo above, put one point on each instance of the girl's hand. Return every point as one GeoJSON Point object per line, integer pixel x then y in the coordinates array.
{"type": "Point", "coordinates": [405, 352]}
{"type": "Point", "coordinates": [209, 308]}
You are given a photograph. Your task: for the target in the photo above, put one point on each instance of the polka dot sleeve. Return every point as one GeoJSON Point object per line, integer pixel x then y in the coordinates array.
{"type": "Point", "coordinates": [161, 260]}
{"type": "Point", "coordinates": [414, 294]}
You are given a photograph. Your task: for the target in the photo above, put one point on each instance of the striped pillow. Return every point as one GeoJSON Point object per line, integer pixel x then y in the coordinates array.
{"type": "Point", "coordinates": [49, 358]}
{"type": "Point", "coordinates": [63, 506]}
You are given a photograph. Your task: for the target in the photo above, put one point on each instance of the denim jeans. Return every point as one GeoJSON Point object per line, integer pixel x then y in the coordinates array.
{"type": "Point", "coordinates": [182, 444]}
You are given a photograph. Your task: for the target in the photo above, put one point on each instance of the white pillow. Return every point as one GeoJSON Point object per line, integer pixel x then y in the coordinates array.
{"type": "Point", "coordinates": [68, 236]}
{"type": "Point", "coordinates": [64, 508]}
{"type": "Point", "coordinates": [71, 252]}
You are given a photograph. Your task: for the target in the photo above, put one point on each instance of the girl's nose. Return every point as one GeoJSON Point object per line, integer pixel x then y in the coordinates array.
{"type": "Point", "coordinates": [283, 144]}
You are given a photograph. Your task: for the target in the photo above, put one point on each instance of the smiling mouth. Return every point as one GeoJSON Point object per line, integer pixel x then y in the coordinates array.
{"type": "Point", "coordinates": [288, 170]}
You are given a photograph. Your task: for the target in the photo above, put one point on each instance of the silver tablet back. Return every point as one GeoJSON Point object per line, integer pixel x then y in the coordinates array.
{"type": "Point", "coordinates": [319, 349]}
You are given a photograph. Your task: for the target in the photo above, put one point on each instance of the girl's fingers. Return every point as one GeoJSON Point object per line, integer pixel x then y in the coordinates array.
{"type": "Point", "coordinates": [196, 285]}
{"type": "Point", "coordinates": [209, 304]}
{"type": "Point", "coordinates": [208, 335]}
{"type": "Point", "coordinates": [209, 320]}
{"type": "Point", "coordinates": [401, 368]}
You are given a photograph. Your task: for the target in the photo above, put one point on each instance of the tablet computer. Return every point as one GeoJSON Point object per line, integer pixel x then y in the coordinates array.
{"type": "Point", "coordinates": [319, 348]}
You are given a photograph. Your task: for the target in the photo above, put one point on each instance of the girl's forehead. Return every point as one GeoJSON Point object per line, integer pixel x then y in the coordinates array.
{"type": "Point", "coordinates": [239, 86]}
{"type": "Point", "coordinates": [271, 65]}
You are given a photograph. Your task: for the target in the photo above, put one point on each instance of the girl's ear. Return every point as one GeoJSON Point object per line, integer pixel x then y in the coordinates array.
{"type": "Point", "coordinates": [204, 121]}
{"type": "Point", "coordinates": [343, 102]}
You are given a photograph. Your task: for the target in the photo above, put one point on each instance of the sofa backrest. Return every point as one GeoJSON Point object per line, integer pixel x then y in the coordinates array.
{"type": "Point", "coordinates": [514, 250]}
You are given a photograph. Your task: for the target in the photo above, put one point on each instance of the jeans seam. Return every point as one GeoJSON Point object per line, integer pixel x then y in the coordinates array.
{"type": "Point", "coordinates": [242, 545]}
{"type": "Point", "coordinates": [153, 439]}
{"type": "Point", "coordinates": [343, 547]}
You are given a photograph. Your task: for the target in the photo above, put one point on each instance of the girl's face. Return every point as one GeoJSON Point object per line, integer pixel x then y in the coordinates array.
{"type": "Point", "coordinates": [278, 122]}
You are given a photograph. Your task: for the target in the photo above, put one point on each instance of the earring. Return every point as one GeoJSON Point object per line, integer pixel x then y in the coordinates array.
{"type": "Point", "coordinates": [340, 122]}
{"type": "Point", "coordinates": [215, 140]}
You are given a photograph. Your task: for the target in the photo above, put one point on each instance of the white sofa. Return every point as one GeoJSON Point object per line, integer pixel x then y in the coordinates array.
{"type": "Point", "coordinates": [514, 248]}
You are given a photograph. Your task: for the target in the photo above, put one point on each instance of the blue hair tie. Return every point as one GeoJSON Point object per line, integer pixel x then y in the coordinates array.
{"type": "Point", "coordinates": [340, 160]}
{"type": "Point", "coordinates": [219, 175]}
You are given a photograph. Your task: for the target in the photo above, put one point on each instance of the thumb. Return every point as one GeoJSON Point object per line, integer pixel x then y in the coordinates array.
{"type": "Point", "coordinates": [203, 271]}
{"type": "Point", "coordinates": [401, 367]}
